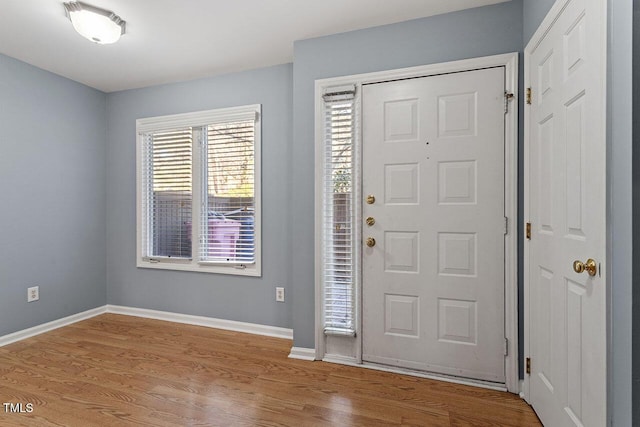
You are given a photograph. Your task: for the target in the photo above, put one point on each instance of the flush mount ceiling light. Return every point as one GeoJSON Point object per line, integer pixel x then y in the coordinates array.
{"type": "Point", "coordinates": [98, 25]}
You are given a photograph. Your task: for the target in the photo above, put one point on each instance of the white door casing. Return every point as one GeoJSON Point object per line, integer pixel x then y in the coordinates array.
{"type": "Point", "coordinates": [349, 350]}
{"type": "Point", "coordinates": [433, 284]}
{"type": "Point", "coordinates": [565, 202]}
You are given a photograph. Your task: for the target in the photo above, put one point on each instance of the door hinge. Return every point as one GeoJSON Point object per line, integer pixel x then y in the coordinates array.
{"type": "Point", "coordinates": [506, 225]}
{"type": "Point", "coordinates": [507, 97]}
{"type": "Point", "coordinates": [506, 346]}
{"type": "Point", "coordinates": [527, 368]}
{"type": "Point", "coordinates": [528, 231]}
{"type": "Point", "coordinates": [529, 95]}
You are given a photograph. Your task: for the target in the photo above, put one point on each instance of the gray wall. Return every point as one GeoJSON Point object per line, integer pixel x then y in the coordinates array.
{"type": "Point", "coordinates": [534, 12]}
{"type": "Point", "coordinates": [215, 295]}
{"type": "Point", "coordinates": [619, 242]}
{"type": "Point", "coordinates": [52, 173]}
{"type": "Point", "coordinates": [471, 33]}
{"type": "Point", "coordinates": [636, 209]}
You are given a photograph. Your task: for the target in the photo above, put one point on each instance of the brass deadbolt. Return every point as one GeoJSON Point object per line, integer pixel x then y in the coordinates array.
{"type": "Point", "coordinates": [371, 199]}
{"type": "Point", "coordinates": [370, 221]}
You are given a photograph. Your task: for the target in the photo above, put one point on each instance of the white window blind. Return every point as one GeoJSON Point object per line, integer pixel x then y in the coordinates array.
{"type": "Point", "coordinates": [227, 231]}
{"type": "Point", "coordinates": [339, 260]}
{"type": "Point", "coordinates": [167, 199]}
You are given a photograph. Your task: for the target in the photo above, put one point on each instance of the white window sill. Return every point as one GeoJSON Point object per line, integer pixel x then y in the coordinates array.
{"type": "Point", "coordinates": [252, 270]}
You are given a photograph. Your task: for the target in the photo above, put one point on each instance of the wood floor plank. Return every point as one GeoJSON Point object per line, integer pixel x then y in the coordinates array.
{"type": "Point", "coordinates": [121, 370]}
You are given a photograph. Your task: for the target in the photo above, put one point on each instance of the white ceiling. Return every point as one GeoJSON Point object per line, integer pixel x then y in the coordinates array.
{"type": "Point", "coordinates": [176, 40]}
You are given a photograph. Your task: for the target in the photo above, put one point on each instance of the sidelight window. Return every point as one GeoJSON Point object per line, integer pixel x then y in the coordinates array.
{"type": "Point", "coordinates": [339, 271]}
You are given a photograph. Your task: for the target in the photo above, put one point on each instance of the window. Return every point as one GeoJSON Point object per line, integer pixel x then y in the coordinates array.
{"type": "Point", "coordinates": [199, 191]}
{"type": "Point", "coordinates": [339, 266]}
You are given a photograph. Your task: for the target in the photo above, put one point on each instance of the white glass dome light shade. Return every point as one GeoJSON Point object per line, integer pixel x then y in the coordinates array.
{"type": "Point", "coordinates": [97, 28]}
{"type": "Point", "coordinates": [95, 24]}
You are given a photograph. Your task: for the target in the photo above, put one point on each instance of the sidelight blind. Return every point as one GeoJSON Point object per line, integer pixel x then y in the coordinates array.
{"type": "Point", "coordinates": [339, 260]}
{"type": "Point", "coordinates": [228, 229]}
{"type": "Point", "coordinates": [167, 194]}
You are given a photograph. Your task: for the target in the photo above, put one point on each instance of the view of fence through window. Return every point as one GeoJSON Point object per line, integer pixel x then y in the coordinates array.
{"type": "Point", "coordinates": [338, 215]}
{"type": "Point", "coordinates": [228, 228]}
{"type": "Point", "coordinates": [169, 179]}
{"type": "Point", "coordinates": [227, 233]}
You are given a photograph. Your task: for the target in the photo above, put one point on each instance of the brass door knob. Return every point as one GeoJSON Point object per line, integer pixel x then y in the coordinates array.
{"type": "Point", "coordinates": [371, 242]}
{"type": "Point", "coordinates": [590, 267]}
{"type": "Point", "coordinates": [371, 199]}
{"type": "Point", "coordinates": [370, 221]}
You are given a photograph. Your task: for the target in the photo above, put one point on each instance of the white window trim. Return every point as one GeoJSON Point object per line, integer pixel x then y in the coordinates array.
{"type": "Point", "coordinates": [201, 118]}
{"type": "Point", "coordinates": [510, 62]}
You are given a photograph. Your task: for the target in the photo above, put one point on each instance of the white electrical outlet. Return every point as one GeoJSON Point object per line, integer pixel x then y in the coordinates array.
{"type": "Point", "coordinates": [280, 294]}
{"type": "Point", "coordinates": [33, 294]}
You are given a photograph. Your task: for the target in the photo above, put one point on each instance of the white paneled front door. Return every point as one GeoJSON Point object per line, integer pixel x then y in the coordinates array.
{"type": "Point", "coordinates": [566, 157]}
{"type": "Point", "coordinates": [433, 257]}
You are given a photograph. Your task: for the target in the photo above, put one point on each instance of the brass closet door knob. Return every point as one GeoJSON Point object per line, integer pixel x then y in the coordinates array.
{"type": "Point", "coordinates": [371, 242]}
{"type": "Point", "coordinates": [590, 267]}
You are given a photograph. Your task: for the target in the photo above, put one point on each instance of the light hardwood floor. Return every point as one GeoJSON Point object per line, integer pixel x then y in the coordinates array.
{"type": "Point", "coordinates": [119, 370]}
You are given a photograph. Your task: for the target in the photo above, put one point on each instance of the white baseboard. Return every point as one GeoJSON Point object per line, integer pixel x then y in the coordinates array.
{"type": "Point", "coordinates": [302, 353]}
{"type": "Point", "coordinates": [522, 393]}
{"type": "Point", "coordinates": [50, 326]}
{"type": "Point", "coordinates": [230, 325]}
{"type": "Point", "coordinates": [210, 322]}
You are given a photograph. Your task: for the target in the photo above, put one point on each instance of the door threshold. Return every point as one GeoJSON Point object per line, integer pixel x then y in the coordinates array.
{"type": "Point", "coordinates": [433, 376]}
{"type": "Point", "coordinates": [421, 374]}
